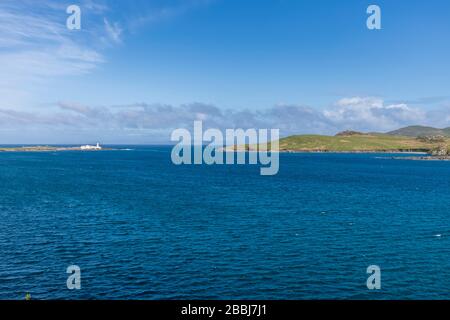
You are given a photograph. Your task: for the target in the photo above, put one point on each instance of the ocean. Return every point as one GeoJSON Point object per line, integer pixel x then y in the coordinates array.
{"type": "Point", "coordinates": [140, 227]}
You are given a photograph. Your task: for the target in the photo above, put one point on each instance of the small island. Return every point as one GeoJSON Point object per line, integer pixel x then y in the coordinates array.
{"type": "Point", "coordinates": [52, 148]}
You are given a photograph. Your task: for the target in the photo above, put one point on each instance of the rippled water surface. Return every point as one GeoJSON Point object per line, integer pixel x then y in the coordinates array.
{"type": "Point", "coordinates": [142, 228]}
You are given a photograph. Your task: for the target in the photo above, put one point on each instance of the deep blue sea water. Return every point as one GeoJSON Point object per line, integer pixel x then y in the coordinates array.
{"type": "Point", "coordinates": [142, 228]}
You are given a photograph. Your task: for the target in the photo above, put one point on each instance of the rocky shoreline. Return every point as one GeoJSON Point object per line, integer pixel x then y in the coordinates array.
{"type": "Point", "coordinates": [426, 155]}
{"type": "Point", "coordinates": [426, 158]}
{"type": "Point", "coordinates": [353, 151]}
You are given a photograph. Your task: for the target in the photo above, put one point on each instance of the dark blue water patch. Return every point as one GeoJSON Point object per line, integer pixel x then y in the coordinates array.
{"type": "Point", "coordinates": [142, 228]}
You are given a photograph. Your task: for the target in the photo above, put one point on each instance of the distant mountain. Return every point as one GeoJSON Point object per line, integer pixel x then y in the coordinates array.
{"type": "Point", "coordinates": [416, 131]}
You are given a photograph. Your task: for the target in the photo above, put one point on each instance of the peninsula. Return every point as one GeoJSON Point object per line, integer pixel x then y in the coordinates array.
{"type": "Point", "coordinates": [416, 139]}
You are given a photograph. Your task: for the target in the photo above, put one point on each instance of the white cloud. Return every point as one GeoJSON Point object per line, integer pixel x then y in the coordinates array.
{"type": "Point", "coordinates": [368, 113]}
{"type": "Point", "coordinates": [155, 121]}
{"type": "Point", "coordinates": [34, 36]}
{"type": "Point", "coordinates": [36, 46]}
{"type": "Point", "coordinates": [151, 12]}
{"type": "Point", "coordinates": [114, 31]}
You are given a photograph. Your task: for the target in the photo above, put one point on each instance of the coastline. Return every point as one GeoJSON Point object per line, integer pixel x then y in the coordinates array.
{"type": "Point", "coordinates": [353, 151]}
{"type": "Point", "coordinates": [48, 149]}
{"type": "Point", "coordinates": [421, 155]}
{"type": "Point", "coordinates": [427, 158]}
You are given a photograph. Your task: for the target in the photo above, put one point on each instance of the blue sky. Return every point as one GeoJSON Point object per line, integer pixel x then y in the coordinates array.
{"type": "Point", "coordinates": [139, 68]}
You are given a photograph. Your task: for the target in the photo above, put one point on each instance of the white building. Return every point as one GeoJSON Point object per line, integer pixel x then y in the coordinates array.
{"type": "Point", "coordinates": [88, 147]}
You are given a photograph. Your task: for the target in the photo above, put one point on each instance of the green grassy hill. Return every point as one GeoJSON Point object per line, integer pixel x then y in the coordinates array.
{"type": "Point", "coordinates": [409, 139]}
{"type": "Point", "coordinates": [356, 143]}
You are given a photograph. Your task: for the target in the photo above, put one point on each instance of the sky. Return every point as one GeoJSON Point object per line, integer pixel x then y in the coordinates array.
{"type": "Point", "coordinates": [138, 69]}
